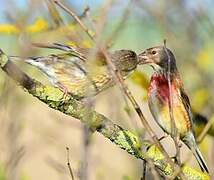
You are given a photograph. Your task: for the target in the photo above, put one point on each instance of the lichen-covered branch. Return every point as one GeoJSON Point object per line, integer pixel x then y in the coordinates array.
{"type": "Point", "coordinates": [125, 139]}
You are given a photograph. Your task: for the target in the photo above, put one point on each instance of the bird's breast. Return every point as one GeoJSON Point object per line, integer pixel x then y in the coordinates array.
{"type": "Point", "coordinates": [159, 104]}
{"type": "Point", "coordinates": [160, 89]}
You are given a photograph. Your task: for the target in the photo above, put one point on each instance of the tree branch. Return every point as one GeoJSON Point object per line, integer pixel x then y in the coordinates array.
{"type": "Point", "coordinates": [125, 139]}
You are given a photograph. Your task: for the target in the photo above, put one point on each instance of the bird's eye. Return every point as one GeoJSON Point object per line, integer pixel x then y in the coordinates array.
{"type": "Point", "coordinates": [154, 52]}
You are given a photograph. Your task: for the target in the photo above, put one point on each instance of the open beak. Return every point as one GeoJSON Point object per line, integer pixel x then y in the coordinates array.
{"type": "Point", "coordinates": [143, 58]}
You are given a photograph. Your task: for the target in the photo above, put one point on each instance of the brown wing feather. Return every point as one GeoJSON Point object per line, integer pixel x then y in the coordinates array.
{"type": "Point", "coordinates": [187, 106]}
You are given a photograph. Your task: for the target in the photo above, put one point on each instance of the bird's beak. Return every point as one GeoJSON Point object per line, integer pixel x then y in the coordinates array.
{"type": "Point", "coordinates": [143, 58]}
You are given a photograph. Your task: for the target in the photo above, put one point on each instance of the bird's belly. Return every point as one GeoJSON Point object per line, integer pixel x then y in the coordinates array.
{"type": "Point", "coordinates": [160, 112]}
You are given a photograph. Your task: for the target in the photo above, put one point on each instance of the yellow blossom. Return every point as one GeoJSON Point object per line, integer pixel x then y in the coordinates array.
{"type": "Point", "coordinates": [9, 29]}
{"type": "Point", "coordinates": [204, 58]}
{"type": "Point", "coordinates": [38, 26]}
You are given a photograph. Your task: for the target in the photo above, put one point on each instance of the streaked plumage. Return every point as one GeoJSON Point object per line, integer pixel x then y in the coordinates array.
{"type": "Point", "coordinates": [159, 98]}
{"type": "Point", "coordinates": [83, 72]}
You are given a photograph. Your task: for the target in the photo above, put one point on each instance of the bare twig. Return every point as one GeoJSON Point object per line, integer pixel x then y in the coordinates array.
{"type": "Point", "coordinates": [54, 13]}
{"type": "Point", "coordinates": [144, 171]}
{"type": "Point", "coordinates": [61, 5]}
{"type": "Point", "coordinates": [174, 131]}
{"type": "Point", "coordinates": [85, 12]}
{"type": "Point", "coordinates": [155, 174]}
{"type": "Point", "coordinates": [205, 130]}
{"type": "Point", "coordinates": [86, 138]}
{"type": "Point", "coordinates": [85, 153]}
{"type": "Point", "coordinates": [89, 18]}
{"type": "Point", "coordinates": [69, 165]}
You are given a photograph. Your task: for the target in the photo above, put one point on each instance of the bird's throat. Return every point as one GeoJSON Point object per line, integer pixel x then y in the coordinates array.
{"type": "Point", "coordinates": [159, 87]}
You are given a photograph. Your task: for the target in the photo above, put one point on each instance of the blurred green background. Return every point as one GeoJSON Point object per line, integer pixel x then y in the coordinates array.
{"type": "Point", "coordinates": [33, 137]}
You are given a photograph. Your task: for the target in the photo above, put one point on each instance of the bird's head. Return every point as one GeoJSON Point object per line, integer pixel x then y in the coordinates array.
{"type": "Point", "coordinates": [125, 60]}
{"type": "Point", "coordinates": [159, 56]}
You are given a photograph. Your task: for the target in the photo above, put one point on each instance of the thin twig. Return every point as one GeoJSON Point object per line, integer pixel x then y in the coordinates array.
{"type": "Point", "coordinates": [205, 130]}
{"type": "Point", "coordinates": [99, 29]}
{"type": "Point", "coordinates": [85, 12]}
{"type": "Point", "coordinates": [57, 2]}
{"type": "Point", "coordinates": [89, 18]}
{"type": "Point", "coordinates": [85, 153]}
{"type": "Point", "coordinates": [154, 172]}
{"type": "Point", "coordinates": [87, 132]}
{"type": "Point", "coordinates": [174, 131]}
{"type": "Point", "coordinates": [54, 13]}
{"type": "Point", "coordinates": [69, 165]}
{"type": "Point", "coordinates": [144, 171]}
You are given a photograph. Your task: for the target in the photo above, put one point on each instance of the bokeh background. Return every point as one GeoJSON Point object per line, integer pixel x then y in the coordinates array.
{"type": "Point", "coordinates": [33, 137]}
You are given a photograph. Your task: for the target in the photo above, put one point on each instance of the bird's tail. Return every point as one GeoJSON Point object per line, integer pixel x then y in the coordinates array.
{"type": "Point", "coordinates": [200, 160]}
{"type": "Point", "coordinates": [19, 58]}
{"type": "Point", "coordinates": [190, 142]}
{"type": "Point", "coordinates": [35, 61]}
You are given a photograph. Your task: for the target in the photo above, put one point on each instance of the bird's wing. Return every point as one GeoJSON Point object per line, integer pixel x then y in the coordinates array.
{"type": "Point", "coordinates": [79, 76]}
{"type": "Point", "coordinates": [75, 51]}
{"type": "Point", "coordinates": [187, 106]}
{"type": "Point", "coordinates": [189, 139]}
{"type": "Point", "coordinates": [92, 55]}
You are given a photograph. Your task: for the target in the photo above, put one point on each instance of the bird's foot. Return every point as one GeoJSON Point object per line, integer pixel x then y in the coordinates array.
{"type": "Point", "coordinates": [175, 158]}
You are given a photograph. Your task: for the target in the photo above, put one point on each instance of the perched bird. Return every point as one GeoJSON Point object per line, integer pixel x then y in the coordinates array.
{"type": "Point", "coordinates": [162, 60]}
{"type": "Point", "coordinates": [82, 72]}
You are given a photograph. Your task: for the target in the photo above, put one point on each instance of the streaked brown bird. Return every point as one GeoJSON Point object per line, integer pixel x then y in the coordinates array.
{"type": "Point", "coordinates": [82, 72]}
{"type": "Point", "coordinates": [163, 60]}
